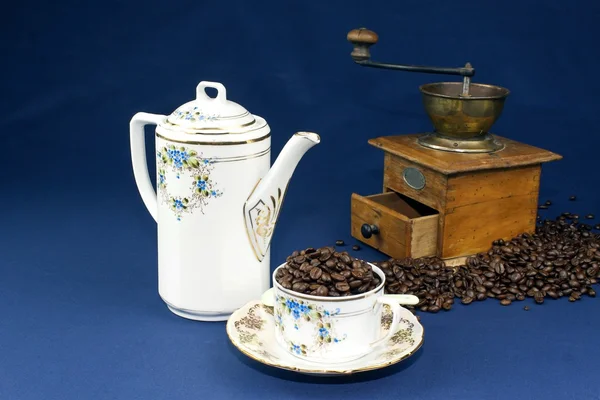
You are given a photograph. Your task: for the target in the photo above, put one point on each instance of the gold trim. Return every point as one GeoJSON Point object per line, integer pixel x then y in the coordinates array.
{"type": "Point", "coordinates": [245, 223]}
{"type": "Point", "coordinates": [308, 134]}
{"type": "Point", "coordinates": [242, 158]}
{"type": "Point", "coordinates": [327, 371]}
{"type": "Point", "coordinates": [168, 124]}
{"type": "Point", "coordinates": [220, 131]}
{"type": "Point", "coordinates": [265, 225]}
{"type": "Point", "coordinates": [268, 135]}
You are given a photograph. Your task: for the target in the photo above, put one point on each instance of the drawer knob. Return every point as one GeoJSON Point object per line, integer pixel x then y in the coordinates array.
{"type": "Point", "coordinates": [369, 230]}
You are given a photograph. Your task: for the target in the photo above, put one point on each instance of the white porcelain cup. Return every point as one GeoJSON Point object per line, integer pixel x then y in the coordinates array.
{"type": "Point", "coordinates": [332, 329]}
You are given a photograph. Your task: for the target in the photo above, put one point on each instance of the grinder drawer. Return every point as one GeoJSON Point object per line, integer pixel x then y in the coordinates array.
{"type": "Point", "coordinates": [395, 225]}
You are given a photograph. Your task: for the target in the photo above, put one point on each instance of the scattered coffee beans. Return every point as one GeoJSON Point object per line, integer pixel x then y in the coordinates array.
{"type": "Point", "coordinates": [590, 216]}
{"type": "Point", "coordinates": [356, 247]}
{"type": "Point", "coordinates": [561, 259]}
{"type": "Point", "coordinates": [548, 203]}
{"type": "Point", "coordinates": [339, 243]}
{"type": "Point", "coordinates": [326, 272]}
{"type": "Point", "coordinates": [543, 207]}
{"type": "Point", "coordinates": [427, 278]}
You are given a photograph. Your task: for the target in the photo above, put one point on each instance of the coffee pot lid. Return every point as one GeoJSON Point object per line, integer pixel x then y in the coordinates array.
{"type": "Point", "coordinates": [211, 116]}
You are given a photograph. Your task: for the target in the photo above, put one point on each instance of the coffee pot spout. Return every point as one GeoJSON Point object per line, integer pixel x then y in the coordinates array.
{"type": "Point", "coordinates": [262, 207]}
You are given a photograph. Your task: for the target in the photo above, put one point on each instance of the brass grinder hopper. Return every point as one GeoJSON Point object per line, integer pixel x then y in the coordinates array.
{"type": "Point", "coordinates": [462, 113]}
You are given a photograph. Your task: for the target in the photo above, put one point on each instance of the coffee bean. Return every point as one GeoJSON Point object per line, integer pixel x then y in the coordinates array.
{"type": "Point", "coordinates": [548, 203]}
{"type": "Point", "coordinates": [573, 198]}
{"type": "Point", "coordinates": [505, 302]}
{"type": "Point", "coordinates": [356, 247]}
{"type": "Point", "coordinates": [299, 259]}
{"type": "Point", "coordinates": [300, 287]}
{"type": "Point", "coordinates": [316, 273]}
{"type": "Point", "coordinates": [355, 284]}
{"type": "Point", "coordinates": [576, 295]}
{"type": "Point", "coordinates": [342, 286]}
{"type": "Point", "coordinates": [515, 277]}
{"type": "Point", "coordinates": [539, 297]}
{"type": "Point", "coordinates": [346, 274]}
{"type": "Point", "coordinates": [543, 207]}
{"type": "Point", "coordinates": [339, 243]}
{"type": "Point", "coordinates": [363, 288]}
{"type": "Point", "coordinates": [590, 216]}
{"type": "Point", "coordinates": [467, 300]}
{"type": "Point", "coordinates": [286, 284]}
{"type": "Point", "coordinates": [358, 273]}
{"type": "Point", "coordinates": [337, 277]}
{"type": "Point", "coordinates": [526, 308]}
{"type": "Point", "coordinates": [322, 291]}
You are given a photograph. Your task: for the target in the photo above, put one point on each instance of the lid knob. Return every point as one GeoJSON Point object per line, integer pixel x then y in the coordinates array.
{"type": "Point", "coordinates": [202, 97]}
{"type": "Point", "coordinates": [362, 39]}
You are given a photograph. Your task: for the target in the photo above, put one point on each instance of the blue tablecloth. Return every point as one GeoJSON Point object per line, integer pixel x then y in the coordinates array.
{"type": "Point", "coordinates": [80, 316]}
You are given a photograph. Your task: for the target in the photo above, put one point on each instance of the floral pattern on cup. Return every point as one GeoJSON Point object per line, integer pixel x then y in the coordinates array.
{"type": "Point", "coordinates": [183, 161]}
{"type": "Point", "coordinates": [304, 312]}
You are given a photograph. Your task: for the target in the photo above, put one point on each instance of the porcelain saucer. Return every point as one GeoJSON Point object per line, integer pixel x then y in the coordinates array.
{"type": "Point", "coordinates": [252, 330]}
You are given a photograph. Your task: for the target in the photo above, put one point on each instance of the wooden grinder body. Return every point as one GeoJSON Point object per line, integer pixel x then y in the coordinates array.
{"type": "Point", "coordinates": [467, 200]}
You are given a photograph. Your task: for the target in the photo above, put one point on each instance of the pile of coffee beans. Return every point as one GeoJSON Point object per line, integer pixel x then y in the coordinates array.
{"type": "Point", "coordinates": [561, 259]}
{"type": "Point", "coordinates": [427, 278]}
{"type": "Point", "coordinates": [326, 272]}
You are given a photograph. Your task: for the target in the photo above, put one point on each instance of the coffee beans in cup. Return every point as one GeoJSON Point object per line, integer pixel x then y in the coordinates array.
{"type": "Point", "coordinates": [326, 272]}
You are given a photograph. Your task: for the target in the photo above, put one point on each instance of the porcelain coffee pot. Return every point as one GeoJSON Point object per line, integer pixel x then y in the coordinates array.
{"type": "Point", "coordinates": [217, 201]}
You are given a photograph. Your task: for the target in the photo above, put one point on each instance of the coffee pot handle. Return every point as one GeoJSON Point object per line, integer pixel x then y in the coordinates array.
{"type": "Point", "coordinates": [396, 310]}
{"type": "Point", "coordinates": [138, 158]}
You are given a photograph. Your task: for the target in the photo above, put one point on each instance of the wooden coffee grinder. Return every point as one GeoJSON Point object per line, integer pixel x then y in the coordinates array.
{"type": "Point", "coordinates": [453, 191]}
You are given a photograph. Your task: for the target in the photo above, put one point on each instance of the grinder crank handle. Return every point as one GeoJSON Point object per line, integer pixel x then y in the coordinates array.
{"type": "Point", "coordinates": [364, 38]}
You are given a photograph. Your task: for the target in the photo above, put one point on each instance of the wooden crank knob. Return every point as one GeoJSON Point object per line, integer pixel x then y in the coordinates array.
{"type": "Point", "coordinates": [369, 230]}
{"type": "Point", "coordinates": [362, 39]}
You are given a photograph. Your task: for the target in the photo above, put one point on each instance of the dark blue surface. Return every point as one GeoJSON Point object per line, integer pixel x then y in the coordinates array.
{"type": "Point", "coordinates": [80, 317]}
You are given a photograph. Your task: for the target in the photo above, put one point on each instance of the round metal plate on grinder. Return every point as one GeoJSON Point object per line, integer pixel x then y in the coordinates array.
{"type": "Point", "coordinates": [414, 178]}
{"type": "Point", "coordinates": [486, 144]}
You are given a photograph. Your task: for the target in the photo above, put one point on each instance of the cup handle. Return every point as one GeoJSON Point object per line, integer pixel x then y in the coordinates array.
{"type": "Point", "coordinates": [396, 309]}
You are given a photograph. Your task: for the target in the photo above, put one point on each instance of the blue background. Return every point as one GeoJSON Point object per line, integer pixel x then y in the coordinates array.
{"type": "Point", "coordinates": [80, 316]}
